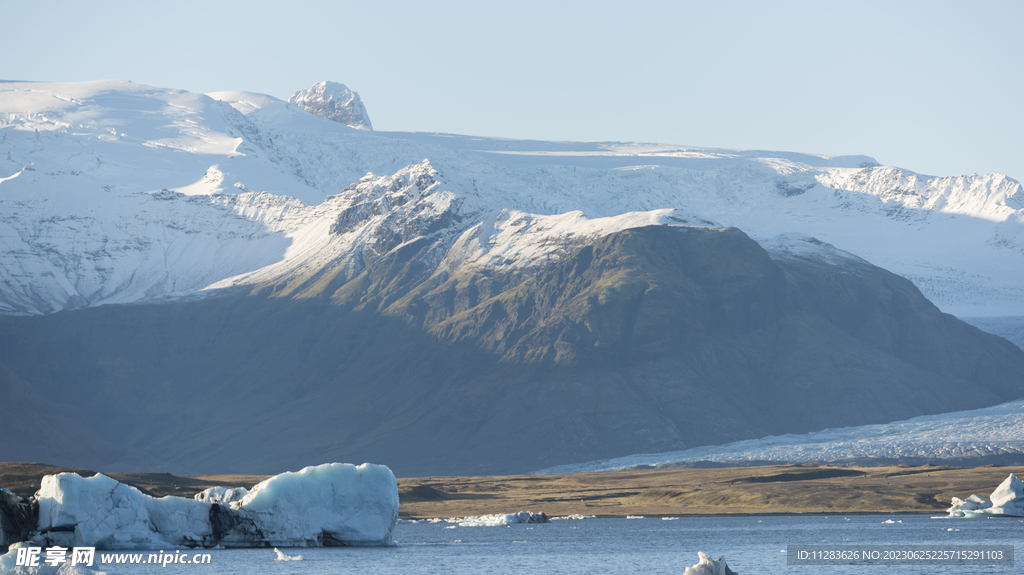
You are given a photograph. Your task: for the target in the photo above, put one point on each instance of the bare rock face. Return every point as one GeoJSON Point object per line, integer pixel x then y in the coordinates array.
{"type": "Point", "coordinates": [335, 102]}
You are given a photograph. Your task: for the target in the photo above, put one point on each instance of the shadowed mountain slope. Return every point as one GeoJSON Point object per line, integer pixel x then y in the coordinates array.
{"type": "Point", "coordinates": [650, 339]}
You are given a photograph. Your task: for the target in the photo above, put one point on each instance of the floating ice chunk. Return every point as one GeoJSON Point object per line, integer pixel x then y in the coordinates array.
{"type": "Point", "coordinates": [634, 517]}
{"type": "Point", "coordinates": [1010, 493]}
{"type": "Point", "coordinates": [327, 505]}
{"type": "Point", "coordinates": [330, 504]}
{"type": "Point", "coordinates": [708, 566]}
{"type": "Point", "coordinates": [283, 557]}
{"type": "Point", "coordinates": [577, 516]}
{"type": "Point", "coordinates": [222, 495]}
{"type": "Point", "coordinates": [1006, 501]}
{"type": "Point", "coordinates": [102, 512]}
{"type": "Point", "coordinates": [500, 519]}
{"type": "Point", "coordinates": [17, 521]}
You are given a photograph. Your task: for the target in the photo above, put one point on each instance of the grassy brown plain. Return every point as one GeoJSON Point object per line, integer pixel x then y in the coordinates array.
{"type": "Point", "coordinates": [781, 489]}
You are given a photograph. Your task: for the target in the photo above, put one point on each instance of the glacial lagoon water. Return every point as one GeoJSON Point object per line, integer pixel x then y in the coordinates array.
{"type": "Point", "coordinates": [751, 545]}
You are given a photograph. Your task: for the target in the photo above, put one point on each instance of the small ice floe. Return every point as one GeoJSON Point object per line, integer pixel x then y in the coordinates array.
{"type": "Point", "coordinates": [708, 566]}
{"type": "Point", "coordinates": [283, 557]}
{"type": "Point", "coordinates": [501, 519]}
{"type": "Point", "coordinates": [634, 517]}
{"type": "Point", "coordinates": [577, 516]}
{"type": "Point", "coordinates": [1006, 501]}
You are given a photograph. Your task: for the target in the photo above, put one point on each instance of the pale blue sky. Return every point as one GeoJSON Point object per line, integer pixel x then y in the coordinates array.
{"type": "Point", "coordinates": [935, 87]}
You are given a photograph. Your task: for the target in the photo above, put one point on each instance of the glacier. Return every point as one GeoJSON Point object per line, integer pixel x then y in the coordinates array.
{"type": "Point", "coordinates": [332, 504]}
{"type": "Point", "coordinates": [114, 192]}
{"type": "Point", "coordinates": [976, 435]}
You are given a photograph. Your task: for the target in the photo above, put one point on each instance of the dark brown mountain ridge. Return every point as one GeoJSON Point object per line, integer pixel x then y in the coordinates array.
{"type": "Point", "coordinates": [650, 339]}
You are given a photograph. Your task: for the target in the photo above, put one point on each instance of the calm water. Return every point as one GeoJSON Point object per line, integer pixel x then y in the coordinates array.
{"type": "Point", "coordinates": [751, 545]}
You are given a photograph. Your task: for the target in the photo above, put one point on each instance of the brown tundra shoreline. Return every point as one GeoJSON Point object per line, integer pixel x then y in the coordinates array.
{"type": "Point", "coordinates": [768, 490]}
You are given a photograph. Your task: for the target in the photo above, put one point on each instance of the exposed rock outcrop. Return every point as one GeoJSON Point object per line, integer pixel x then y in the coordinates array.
{"type": "Point", "coordinates": [335, 102]}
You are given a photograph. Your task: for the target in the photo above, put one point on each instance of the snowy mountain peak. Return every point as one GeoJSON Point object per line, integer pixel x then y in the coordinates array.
{"type": "Point", "coordinates": [239, 159]}
{"type": "Point", "coordinates": [335, 102]}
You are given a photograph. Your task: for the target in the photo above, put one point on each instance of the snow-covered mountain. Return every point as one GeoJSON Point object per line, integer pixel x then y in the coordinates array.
{"type": "Point", "coordinates": [464, 285]}
{"type": "Point", "coordinates": [335, 102]}
{"type": "Point", "coordinates": [113, 192]}
{"type": "Point", "coordinates": [980, 436]}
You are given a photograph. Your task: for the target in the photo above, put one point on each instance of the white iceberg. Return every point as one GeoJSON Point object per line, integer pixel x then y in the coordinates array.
{"type": "Point", "coordinates": [708, 566]}
{"type": "Point", "coordinates": [222, 495]}
{"type": "Point", "coordinates": [500, 519]}
{"type": "Point", "coordinates": [1006, 501]}
{"type": "Point", "coordinates": [972, 504]}
{"type": "Point", "coordinates": [283, 557]}
{"type": "Point", "coordinates": [101, 512]}
{"type": "Point", "coordinates": [333, 504]}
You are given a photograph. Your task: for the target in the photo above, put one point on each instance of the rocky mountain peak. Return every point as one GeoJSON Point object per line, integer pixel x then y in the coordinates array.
{"type": "Point", "coordinates": [335, 102]}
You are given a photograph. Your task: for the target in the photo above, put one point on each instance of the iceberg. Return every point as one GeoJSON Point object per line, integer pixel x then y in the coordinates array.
{"type": "Point", "coordinates": [1006, 501]}
{"type": "Point", "coordinates": [17, 518]}
{"type": "Point", "coordinates": [101, 512]}
{"type": "Point", "coordinates": [284, 557]}
{"type": "Point", "coordinates": [333, 504]}
{"type": "Point", "coordinates": [708, 566]}
{"type": "Point", "coordinates": [500, 519]}
{"type": "Point", "coordinates": [222, 495]}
